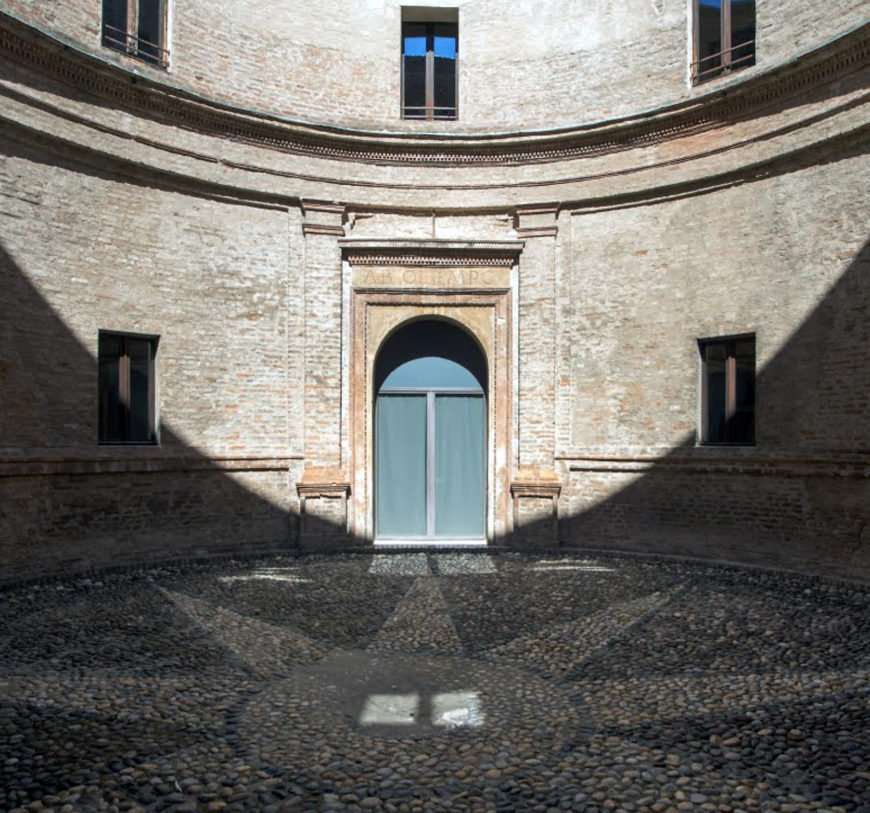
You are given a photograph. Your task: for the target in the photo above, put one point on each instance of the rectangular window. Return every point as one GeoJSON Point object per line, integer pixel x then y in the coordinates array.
{"type": "Point", "coordinates": [429, 51]}
{"type": "Point", "coordinates": [137, 28]}
{"type": "Point", "coordinates": [724, 37]}
{"type": "Point", "coordinates": [728, 390]}
{"type": "Point", "coordinates": [127, 403]}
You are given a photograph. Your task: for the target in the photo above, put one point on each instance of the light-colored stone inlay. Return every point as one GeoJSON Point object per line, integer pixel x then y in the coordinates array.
{"type": "Point", "coordinates": [587, 634]}
{"type": "Point", "coordinates": [266, 649]}
{"type": "Point", "coordinates": [420, 623]}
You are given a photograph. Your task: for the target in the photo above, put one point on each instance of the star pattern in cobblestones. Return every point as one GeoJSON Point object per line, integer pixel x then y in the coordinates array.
{"type": "Point", "coordinates": [462, 681]}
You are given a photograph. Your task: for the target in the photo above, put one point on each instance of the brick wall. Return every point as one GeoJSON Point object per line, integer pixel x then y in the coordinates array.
{"type": "Point", "coordinates": [118, 219]}
{"type": "Point", "coordinates": [86, 251]}
{"type": "Point", "coordinates": [523, 64]}
{"type": "Point", "coordinates": [785, 258]}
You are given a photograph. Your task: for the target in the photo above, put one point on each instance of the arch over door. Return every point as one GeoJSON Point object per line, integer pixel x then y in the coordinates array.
{"type": "Point", "coordinates": [430, 435]}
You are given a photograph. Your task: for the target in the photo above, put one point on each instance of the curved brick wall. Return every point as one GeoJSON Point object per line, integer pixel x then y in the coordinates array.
{"type": "Point", "coordinates": [523, 65]}
{"type": "Point", "coordinates": [593, 259]}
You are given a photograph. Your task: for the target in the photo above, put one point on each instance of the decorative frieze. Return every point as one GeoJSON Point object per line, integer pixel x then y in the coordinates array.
{"type": "Point", "coordinates": [421, 276]}
{"type": "Point", "coordinates": [434, 253]}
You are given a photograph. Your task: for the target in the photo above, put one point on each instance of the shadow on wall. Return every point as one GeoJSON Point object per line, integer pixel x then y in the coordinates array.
{"type": "Point", "coordinates": [98, 505]}
{"type": "Point", "coordinates": [66, 502]}
{"type": "Point", "coordinates": [800, 498]}
{"type": "Point", "coordinates": [104, 504]}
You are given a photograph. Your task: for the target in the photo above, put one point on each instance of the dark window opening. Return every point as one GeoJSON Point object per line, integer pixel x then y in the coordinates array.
{"type": "Point", "coordinates": [137, 28]}
{"type": "Point", "coordinates": [728, 390]}
{"type": "Point", "coordinates": [429, 70]}
{"type": "Point", "coordinates": [724, 37]}
{"type": "Point", "coordinates": [127, 388]}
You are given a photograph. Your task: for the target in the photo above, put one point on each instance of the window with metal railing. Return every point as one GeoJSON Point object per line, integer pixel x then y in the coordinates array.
{"type": "Point", "coordinates": [137, 28]}
{"type": "Point", "coordinates": [429, 51]}
{"type": "Point", "coordinates": [724, 38]}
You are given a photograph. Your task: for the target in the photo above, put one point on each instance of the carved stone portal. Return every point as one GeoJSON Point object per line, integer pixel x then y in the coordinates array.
{"type": "Point", "coordinates": [468, 284]}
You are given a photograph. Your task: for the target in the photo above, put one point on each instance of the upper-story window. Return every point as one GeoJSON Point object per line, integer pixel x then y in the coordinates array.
{"type": "Point", "coordinates": [137, 28]}
{"type": "Point", "coordinates": [429, 50]}
{"type": "Point", "coordinates": [724, 37]}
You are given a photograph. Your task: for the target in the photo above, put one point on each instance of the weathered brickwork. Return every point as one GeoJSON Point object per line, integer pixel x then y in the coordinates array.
{"type": "Point", "coordinates": [89, 520]}
{"type": "Point", "coordinates": [323, 369]}
{"type": "Point", "coordinates": [648, 282]}
{"type": "Point", "coordinates": [520, 66]}
{"type": "Point", "coordinates": [267, 257]}
{"type": "Point", "coordinates": [71, 19]}
{"type": "Point", "coordinates": [84, 252]}
{"type": "Point", "coordinates": [536, 349]}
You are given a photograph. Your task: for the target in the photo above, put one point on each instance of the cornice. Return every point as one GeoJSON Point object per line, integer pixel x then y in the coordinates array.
{"type": "Point", "coordinates": [431, 253]}
{"type": "Point", "coordinates": [89, 74]}
{"type": "Point", "coordinates": [152, 460]}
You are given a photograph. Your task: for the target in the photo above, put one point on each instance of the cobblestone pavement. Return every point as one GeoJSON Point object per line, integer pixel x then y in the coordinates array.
{"type": "Point", "coordinates": [416, 681]}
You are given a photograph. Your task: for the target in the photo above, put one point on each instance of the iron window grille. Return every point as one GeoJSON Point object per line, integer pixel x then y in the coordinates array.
{"type": "Point", "coordinates": [137, 28]}
{"type": "Point", "coordinates": [728, 390]}
{"type": "Point", "coordinates": [127, 388]}
{"type": "Point", "coordinates": [429, 57]}
{"type": "Point", "coordinates": [724, 38]}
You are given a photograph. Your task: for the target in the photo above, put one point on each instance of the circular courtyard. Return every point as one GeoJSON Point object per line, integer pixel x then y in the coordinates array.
{"type": "Point", "coordinates": [424, 681]}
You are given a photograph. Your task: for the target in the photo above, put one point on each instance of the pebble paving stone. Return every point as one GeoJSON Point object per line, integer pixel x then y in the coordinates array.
{"type": "Point", "coordinates": [436, 681]}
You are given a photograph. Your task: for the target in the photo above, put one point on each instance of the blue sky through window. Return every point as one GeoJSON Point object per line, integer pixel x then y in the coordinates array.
{"type": "Point", "coordinates": [445, 47]}
{"type": "Point", "coordinates": [431, 371]}
{"type": "Point", "coordinates": [415, 46]}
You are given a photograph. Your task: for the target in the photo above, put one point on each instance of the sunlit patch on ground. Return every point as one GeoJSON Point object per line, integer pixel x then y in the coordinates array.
{"type": "Point", "coordinates": [588, 566]}
{"type": "Point", "coordinates": [274, 574]}
{"type": "Point", "coordinates": [391, 709]}
{"type": "Point", "coordinates": [457, 709]}
{"type": "Point", "coordinates": [448, 709]}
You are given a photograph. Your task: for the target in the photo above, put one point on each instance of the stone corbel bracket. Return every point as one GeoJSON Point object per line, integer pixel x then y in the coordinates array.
{"type": "Point", "coordinates": [323, 217]}
{"type": "Point", "coordinates": [323, 508]}
{"type": "Point", "coordinates": [537, 221]}
{"type": "Point", "coordinates": [536, 508]}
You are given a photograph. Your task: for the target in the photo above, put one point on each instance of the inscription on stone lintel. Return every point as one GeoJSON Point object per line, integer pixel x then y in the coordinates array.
{"type": "Point", "coordinates": [439, 278]}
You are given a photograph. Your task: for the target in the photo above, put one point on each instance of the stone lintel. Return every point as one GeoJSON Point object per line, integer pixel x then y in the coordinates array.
{"type": "Point", "coordinates": [323, 495]}
{"type": "Point", "coordinates": [536, 482]}
{"type": "Point", "coordinates": [527, 489]}
{"type": "Point", "coordinates": [326, 480]}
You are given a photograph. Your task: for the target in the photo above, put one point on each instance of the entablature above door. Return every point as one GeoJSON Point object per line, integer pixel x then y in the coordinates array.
{"type": "Point", "coordinates": [434, 264]}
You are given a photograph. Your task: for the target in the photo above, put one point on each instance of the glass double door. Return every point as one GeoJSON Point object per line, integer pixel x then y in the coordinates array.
{"type": "Point", "coordinates": [431, 472]}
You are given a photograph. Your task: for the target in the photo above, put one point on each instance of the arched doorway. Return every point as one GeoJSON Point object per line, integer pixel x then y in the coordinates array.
{"type": "Point", "coordinates": [430, 435]}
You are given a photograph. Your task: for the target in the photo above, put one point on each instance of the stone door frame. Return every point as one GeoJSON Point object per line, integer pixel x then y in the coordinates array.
{"type": "Point", "coordinates": [470, 285]}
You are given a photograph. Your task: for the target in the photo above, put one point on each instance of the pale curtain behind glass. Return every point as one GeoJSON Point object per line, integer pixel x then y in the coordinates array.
{"type": "Point", "coordinates": [459, 465]}
{"type": "Point", "coordinates": [401, 465]}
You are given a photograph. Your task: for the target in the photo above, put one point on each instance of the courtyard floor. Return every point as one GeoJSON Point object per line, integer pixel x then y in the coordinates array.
{"type": "Point", "coordinates": [452, 681]}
